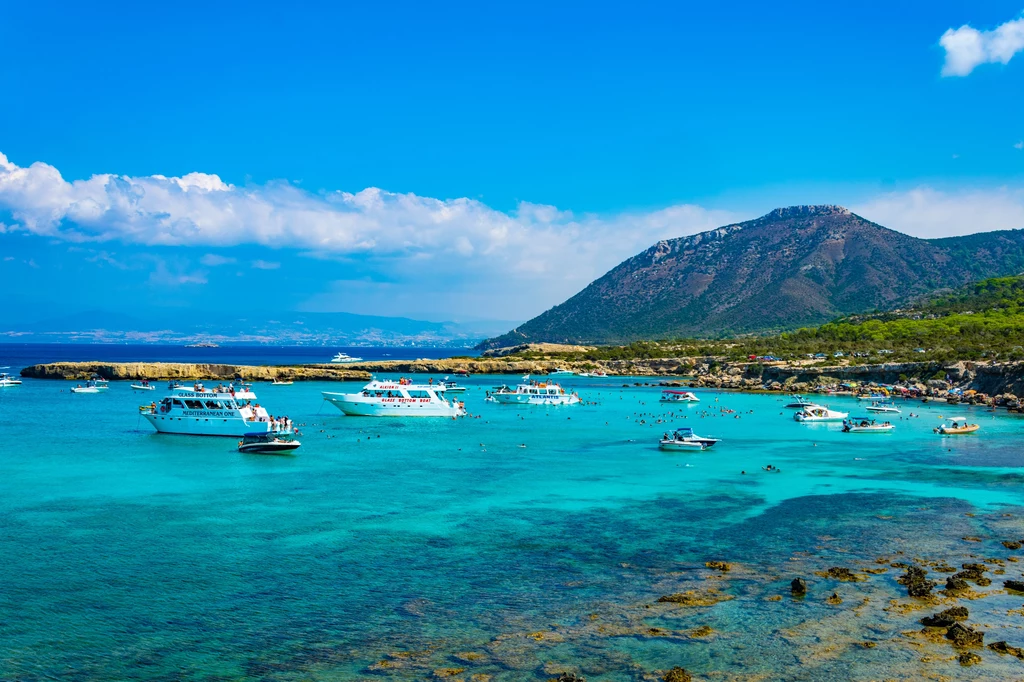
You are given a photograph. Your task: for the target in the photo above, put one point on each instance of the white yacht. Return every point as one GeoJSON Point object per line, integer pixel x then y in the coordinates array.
{"type": "Point", "coordinates": [593, 375]}
{"type": "Point", "coordinates": [90, 387]}
{"type": "Point", "coordinates": [534, 393]}
{"type": "Point", "coordinates": [400, 398]}
{"type": "Point", "coordinates": [678, 397]}
{"type": "Point", "coordinates": [6, 380]}
{"type": "Point", "coordinates": [797, 402]}
{"type": "Point", "coordinates": [883, 407]}
{"type": "Point", "coordinates": [212, 413]}
{"type": "Point", "coordinates": [819, 413]}
{"type": "Point", "coordinates": [561, 372]}
{"type": "Point", "coordinates": [685, 434]}
{"type": "Point", "coordinates": [866, 425]}
{"type": "Point", "coordinates": [345, 357]}
{"type": "Point", "coordinates": [144, 385]}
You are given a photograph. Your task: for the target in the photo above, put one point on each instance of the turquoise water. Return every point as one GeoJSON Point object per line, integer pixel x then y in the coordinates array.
{"type": "Point", "coordinates": [390, 549]}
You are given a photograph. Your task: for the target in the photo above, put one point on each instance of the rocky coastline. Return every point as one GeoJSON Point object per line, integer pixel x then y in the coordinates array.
{"type": "Point", "coordinates": [137, 371]}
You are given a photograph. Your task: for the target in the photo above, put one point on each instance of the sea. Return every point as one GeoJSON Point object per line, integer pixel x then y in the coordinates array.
{"type": "Point", "coordinates": [519, 543]}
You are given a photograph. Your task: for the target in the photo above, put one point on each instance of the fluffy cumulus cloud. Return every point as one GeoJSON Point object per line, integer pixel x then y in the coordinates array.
{"type": "Point", "coordinates": [927, 212]}
{"type": "Point", "coordinates": [967, 47]}
{"type": "Point", "coordinates": [201, 210]}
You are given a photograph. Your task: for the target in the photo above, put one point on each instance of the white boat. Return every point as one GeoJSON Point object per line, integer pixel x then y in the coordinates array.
{"type": "Point", "coordinates": [144, 386]}
{"type": "Point", "coordinates": [685, 433]}
{"type": "Point", "coordinates": [956, 426]}
{"type": "Point", "coordinates": [593, 375]}
{"type": "Point", "coordinates": [212, 413]}
{"type": "Point", "coordinates": [883, 407]}
{"type": "Point", "coordinates": [90, 387]}
{"type": "Point", "coordinates": [451, 386]}
{"type": "Point", "coordinates": [819, 413]}
{"type": "Point", "coordinates": [797, 402]}
{"type": "Point", "coordinates": [270, 443]}
{"type": "Point", "coordinates": [872, 396]}
{"type": "Point", "coordinates": [678, 397]}
{"type": "Point", "coordinates": [345, 357]}
{"type": "Point", "coordinates": [278, 382]}
{"type": "Point", "coordinates": [396, 399]}
{"type": "Point", "coordinates": [6, 380]}
{"type": "Point", "coordinates": [866, 425]}
{"type": "Point", "coordinates": [561, 372]}
{"type": "Point", "coordinates": [534, 393]}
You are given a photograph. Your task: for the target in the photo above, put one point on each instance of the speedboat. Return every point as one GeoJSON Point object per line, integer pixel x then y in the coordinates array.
{"type": "Point", "coordinates": [6, 380]}
{"type": "Point", "coordinates": [90, 387]}
{"type": "Point", "coordinates": [593, 375]}
{"type": "Point", "coordinates": [268, 443]}
{"type": "Point", "coordinates": [680, 444]}
{"type": "Point", "coordinates": [866, 425]}
{"type": "Point", "coordinates": [956, 426]}
{"type": "Point", "coordinates": [213, 413]}
{"type": "Point", "coordinates": [872, 396]}
{"type": "Point", "coordinates": [685, 433]}
{"type": "Point", "coordinates": [535, 393]}
{"type": "Point", "coordinates": [561, 372]}
{"type": "Point", "coordinates": [400, 398]}
{"type": "Point", "coordinates": [279, 382]}
{"type": "Point", "coordinates": [797, 402]}
{"type": "Point", "coordinates": [345, 357]}
{"type": "Point", "coordinates": [678, 397]}
{"type": "Point", "coordinates": [883, 407]}
{"type": "Point", "coordinates": [819, 413]}
{"type": "Point", "coordinates": [451, 386]}
{"type": "Point", "coordinates": [144, 386]}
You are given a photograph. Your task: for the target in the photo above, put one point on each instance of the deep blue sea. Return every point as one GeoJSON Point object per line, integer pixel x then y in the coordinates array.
{"type": "Point", "coordinates": [516, 544]}
{"type": "Point", "coordinates": [21, 355]}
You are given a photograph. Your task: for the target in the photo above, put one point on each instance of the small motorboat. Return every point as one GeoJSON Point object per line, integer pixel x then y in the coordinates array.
{"type": "Point", "coordinates": [6, 380]}
{"type": "Point", "coordinates": [279, 382]}
{"type": "Point", "coordinates": [819, 413]}
{"type": "Point", "coordinates": [883, 407]}
{"type": "Point", "coordinates": [144, 386]}
{"type": "Point", "coordinates": [866, 425]}
{"type": "Point", "coordinates": [797, 402]}
{"type": "Point", "coordinates": [956, 426]}
{"type": "Point", "coordinates": [451, 386]}
{"type": "Point", "coordinates": [561, 372]}
{"type": "Point", "coordinates": [593, 375]}
{"type": "Point", "coordinates": [268, 443]}
{"type": "Point", "coordinates": [872, 396]}
{"type": "Point", "coordinates": [686, 433]}
{"type": "Point", "coordinates": [673, 396]}
{"type": "Point", "coordinates": [88, 388]}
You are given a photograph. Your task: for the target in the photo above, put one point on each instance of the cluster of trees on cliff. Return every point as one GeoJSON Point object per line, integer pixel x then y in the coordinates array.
{"type": "Point", "coordinates": [979, 321]}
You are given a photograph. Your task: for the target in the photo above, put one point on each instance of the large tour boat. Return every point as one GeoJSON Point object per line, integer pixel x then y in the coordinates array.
{"type": "Point", "coordinates": [534, 393]}
{"type": "Point", "coordinates": [208, 412]}
{"type": "Point", "coordinates": [400, 398]}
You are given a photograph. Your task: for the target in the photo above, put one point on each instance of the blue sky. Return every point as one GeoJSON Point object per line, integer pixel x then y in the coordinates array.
{"type": "Point", "coordinates": [474, 161]}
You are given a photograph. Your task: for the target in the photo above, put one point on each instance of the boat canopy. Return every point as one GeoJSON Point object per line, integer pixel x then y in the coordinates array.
{"type": "Point", "coordinates": [684, 429]}
{"type": "Point", "coordinates": [957, 419]}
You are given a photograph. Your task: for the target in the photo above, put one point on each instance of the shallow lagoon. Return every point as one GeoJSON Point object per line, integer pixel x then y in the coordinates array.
{"type": "Point", "coordinates": [391, 549]}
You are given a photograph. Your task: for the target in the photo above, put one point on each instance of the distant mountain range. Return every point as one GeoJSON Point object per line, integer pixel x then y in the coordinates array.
{"type": "Point", "coordinates": [793, 267]}
{"type": "Point", "coordinates": [275, 327]}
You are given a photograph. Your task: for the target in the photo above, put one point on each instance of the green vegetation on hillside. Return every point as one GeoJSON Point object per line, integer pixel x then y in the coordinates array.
{"type": "Point", "coordinates": [983, 320]}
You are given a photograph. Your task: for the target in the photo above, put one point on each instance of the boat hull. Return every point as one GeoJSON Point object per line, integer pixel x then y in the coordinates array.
{"type": "Point", "coordinates": [528, 399]}
{"type": "Point", "coordinates": [136, 387]}
{"type": "Point", "coordinates": [357, 406]}
{"type": "Point", "coordinates": [206, 426]}
{"type": "Point", "coordinates": [269, 448]}
{"type": "Point", "coordinates": [958, 431]}
{"type": "Point", "coordinates": [680, 445]}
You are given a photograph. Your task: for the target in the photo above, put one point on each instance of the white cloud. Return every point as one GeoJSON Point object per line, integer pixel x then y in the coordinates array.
{"type": "Point", "coordinates": [967, 47]}
{"type": "Point", "coordinates": [213, 260]}
{"type": "Point", "coordinates": [926, 212]}
{"type": "Point", "coordinates": [265, 265]}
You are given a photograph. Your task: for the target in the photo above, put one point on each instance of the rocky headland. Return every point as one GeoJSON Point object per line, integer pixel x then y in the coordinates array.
{"type": "Point", "coordinates": [137, 371]}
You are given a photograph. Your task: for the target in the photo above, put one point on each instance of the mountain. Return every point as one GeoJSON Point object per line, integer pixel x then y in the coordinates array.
{"type": "Point", "coordinates": [793, 267]}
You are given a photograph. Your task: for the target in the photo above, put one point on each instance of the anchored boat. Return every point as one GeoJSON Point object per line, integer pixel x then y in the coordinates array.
{"type": "Point", "coordinates": [144, 386]}
{"type": "Point", "coordinates": [561, 372]}
{"type": "Point", "coordinates": [268, 443]}
{"type": "Point", "coordinates": [397, 399]}
{"type": "Point", "coordinates": [819, 413]}
{"type": "Point", "coordinates": [866, 425]}
{"type": "Point", "coordinates": [213, 413]}
{"type": "Point", "coordinates": [956, 426]}
{"type": "Point", "coordinates": [6, 380]}
{"type": "Point", "coordinates": [90, 387]}
{"type": "Point", "coordinates": [883, 407]}
{"type": "Point", "coordinates": [534, 393]}
{"type": "Point", "coordinates": [678, 397]}
{"type": "Point", "coordinates": [797, 402]}
{"type": "Point", "coordinates": [685, 434]}
{"type": "Point", "coordinates": [345, 357]}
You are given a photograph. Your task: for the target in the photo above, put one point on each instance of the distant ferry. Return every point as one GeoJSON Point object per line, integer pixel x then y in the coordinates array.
{"type": "Point", "coordinates": [534, 393]}
{"type": "Point", "coordinates": [206, 412]}
{"type": "Point", "coordinates": [201, 345]}
{"type": "Point", "coordinates": [345, 357]}
{"type": "Point", "coordinates": [400, 398]}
